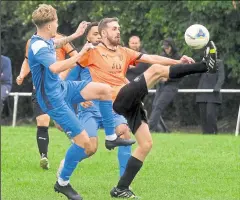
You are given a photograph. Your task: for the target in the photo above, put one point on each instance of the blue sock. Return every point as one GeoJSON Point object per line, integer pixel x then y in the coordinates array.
{"type": "Point", "coordinates": [107, 116]}
{"type": "Point", "coordinates": [74, 155]}
{"type": "Point", "coordinates": [124, 153]}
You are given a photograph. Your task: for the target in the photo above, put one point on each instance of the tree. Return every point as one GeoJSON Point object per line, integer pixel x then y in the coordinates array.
{"type": "Point", "coordinates": [151, 20]}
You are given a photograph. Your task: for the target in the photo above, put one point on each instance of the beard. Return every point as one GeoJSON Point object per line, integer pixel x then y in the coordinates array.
{"type": "Point", "coordinates": [114, 41]}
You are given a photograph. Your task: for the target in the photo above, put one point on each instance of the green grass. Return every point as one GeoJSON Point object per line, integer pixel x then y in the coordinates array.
{"type": "Point", "coordinates": [179, 167]}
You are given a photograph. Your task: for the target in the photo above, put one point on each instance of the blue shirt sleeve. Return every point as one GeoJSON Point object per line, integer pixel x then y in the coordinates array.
{"type": "Point", "coordinates": [44, 54]}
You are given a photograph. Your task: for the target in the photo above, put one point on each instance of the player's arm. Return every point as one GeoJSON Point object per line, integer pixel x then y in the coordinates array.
{"type": "Point", "coordinates": [78, 33]}
{"type": "Point", "coordinates": [72, 74]}
{"type": "Point", "coordinates": [25, 69]}
{"type": "Point", "coordinates": [63, 75]}
{"type": "Point", "coordinates": [71, 51]}
{"type": "Point", "coordinates": [134, 57]}
{"type": "Point", "coordinates": [69, 63]}
{"type": "Point", "coordinates": [155, 59]}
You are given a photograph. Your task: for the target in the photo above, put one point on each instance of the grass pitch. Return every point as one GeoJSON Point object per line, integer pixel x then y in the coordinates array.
{"type": "Point", "coordinates": [179, 167]}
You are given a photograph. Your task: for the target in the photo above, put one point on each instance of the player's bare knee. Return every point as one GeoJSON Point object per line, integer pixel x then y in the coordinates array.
{"type": "Point", "coordinates": [94, 144]}
{"type": "Point", "coordinates": [90, 153]}
{"type": "Point", "coordinates": [89, 148]}
{"type": "Point", "coordinates": [94, 150]}
{"type": "Point", "coordinates": [157, 69]}
{"type": "Point", "coordinates": [123, 130]}
{"type": "Point", "coordinates": [152, 73]}
{"type": "Point", "coordinates": [105, 92]}
{"type": "Point", "coordinates": [43, 120]}
{"type": "Point", "coordinates": [126, 135]}
{"type": "Point", "coordinates": [146, 146]}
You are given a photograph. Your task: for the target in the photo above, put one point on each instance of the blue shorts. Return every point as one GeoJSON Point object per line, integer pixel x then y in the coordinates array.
{"type": "Point", "coordinates": [64, 115]}
{"type": "Point", "coordinates": [72, 91]}
{"type": "Point", "coordinates": [93, 122]}
{"type": "Point", "coordinates": [119, 119]}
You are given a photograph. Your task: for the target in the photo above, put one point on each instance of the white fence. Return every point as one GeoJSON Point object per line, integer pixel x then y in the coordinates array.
{"type": "Point", "coordinates": [16, 95]}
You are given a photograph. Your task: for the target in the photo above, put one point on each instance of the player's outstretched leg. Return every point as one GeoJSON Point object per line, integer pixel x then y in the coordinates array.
{"type": "Point", "coordinates": [210, 57]}
{"type": "Point", "coordinates": [208, 65]}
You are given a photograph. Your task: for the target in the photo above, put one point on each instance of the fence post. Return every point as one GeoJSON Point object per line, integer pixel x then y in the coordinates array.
{"type": "Point", "coordinates": [15, 110]}
{"type": "Point", "coordinates": [238, 122]}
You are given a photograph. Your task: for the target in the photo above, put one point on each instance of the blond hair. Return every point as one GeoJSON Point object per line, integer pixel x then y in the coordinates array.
{"type": "Point", "coordinates": [44, 14]}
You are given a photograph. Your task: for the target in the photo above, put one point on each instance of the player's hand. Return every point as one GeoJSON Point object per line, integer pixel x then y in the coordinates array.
{"type": "Point", "coordinates": [19, 80]}
{"type": "Point", "coordinates": [57, 126]}
{"type": "Point", "coordinates": [87, 104]}
{"type": "Point", "coordinates": [186, 60]}
{"type": "Point", "coordinates": [81, 28]}
{"type": "Point", "coordinates": [86, 47]}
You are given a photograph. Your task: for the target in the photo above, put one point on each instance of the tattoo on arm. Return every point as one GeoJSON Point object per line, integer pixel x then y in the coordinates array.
{"type": "Point", "coordinates": [62, 41]}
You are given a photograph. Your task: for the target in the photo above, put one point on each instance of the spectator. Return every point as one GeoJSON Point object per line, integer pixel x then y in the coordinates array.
{"type": "Point", "coordinates": [135, 44]}
{"type": "Point", "coordinates": [6, 78]}
{"type": "Point", "coordinates": [209, 102]}
{"type": "Point", "coordinates": [166, 91]}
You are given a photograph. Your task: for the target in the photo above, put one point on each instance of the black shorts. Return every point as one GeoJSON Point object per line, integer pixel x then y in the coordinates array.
{"type": "Point", "coordinates": [37, 111]}
{"type": "Point", "coordinates": [129, 103]}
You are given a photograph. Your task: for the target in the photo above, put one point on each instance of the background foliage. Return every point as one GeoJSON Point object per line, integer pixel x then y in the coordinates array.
{"type": "Point", "coordinates": [152, 21]}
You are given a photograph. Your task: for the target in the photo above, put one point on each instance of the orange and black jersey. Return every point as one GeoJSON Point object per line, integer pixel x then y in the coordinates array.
{"type": "Point", "coordinates": [108, 66]}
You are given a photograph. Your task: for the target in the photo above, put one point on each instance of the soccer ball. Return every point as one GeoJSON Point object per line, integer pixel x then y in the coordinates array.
{"type": "Point", "coordinates": [196, 36]}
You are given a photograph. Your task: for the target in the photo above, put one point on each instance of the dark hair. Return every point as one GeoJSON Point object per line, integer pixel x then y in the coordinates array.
{"type": "Point", "coordinates": [170, 42]}
{"type": "Point", "coordinates": [89, 27]}
{"type": "Point", "coordinates": [103, 23]}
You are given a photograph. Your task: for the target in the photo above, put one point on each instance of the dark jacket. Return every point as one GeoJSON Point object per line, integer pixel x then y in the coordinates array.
{"type": "Point", "coordinates": [138, 70]}
{"type": "Point", "coordinates": [6, 71]}
{"type": "Point", "coordinates": [174, 55]}
{"type": "Point", "coordinates": [211, 81]}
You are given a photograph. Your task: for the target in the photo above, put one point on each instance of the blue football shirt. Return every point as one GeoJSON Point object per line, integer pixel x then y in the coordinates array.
{"type": "Point", "coordinates": [49, 86]}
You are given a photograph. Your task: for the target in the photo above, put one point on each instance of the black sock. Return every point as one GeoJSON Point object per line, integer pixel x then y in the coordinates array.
{"type": "Point", "coordinates": [132, 168]}
{"type": "Point", "coordinates": [42, 140]}
{"type": "Point", "coordinates": [181, 70]}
